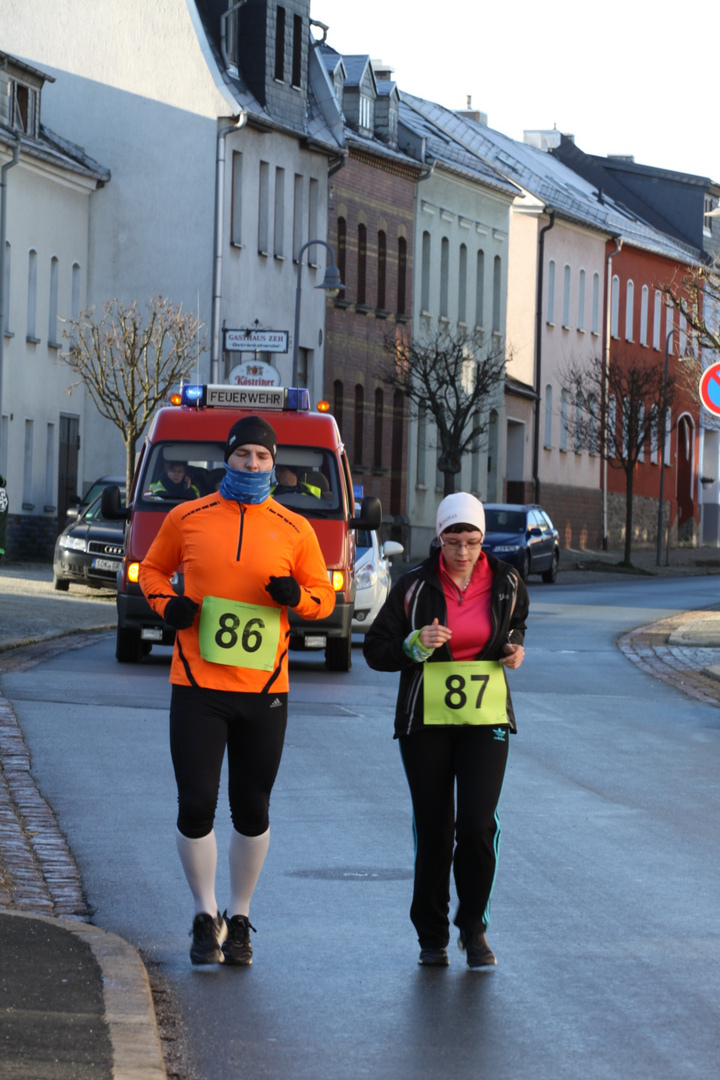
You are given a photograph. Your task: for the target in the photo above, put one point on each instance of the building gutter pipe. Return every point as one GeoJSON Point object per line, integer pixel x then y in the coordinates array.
{"type": "Point", "coordinates": [236, 123]}
{"type": "Point", "coordinates": [3, 230]}
{"type": "Point", "coordinates": [538, 349]}
{"type": "Point", "coordinates": [606, 377]}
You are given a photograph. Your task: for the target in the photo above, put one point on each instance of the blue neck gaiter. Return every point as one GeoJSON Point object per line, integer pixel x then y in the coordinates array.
{"type": "Point", "coordinates": [245, 487]}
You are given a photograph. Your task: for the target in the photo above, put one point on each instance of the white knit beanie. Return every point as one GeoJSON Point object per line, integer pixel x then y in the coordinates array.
{"type": "Point", "coordinates": [460, 509]}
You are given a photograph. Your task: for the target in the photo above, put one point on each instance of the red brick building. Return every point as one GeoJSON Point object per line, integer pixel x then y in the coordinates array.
{"type": "Point", "coordinates": [641, 326]}
{"type": "Point", "coordinates": [370, 227]}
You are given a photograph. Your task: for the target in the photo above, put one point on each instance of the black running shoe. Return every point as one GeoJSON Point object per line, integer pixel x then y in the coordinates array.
{"type": "Point", "coordinates": [208, 935]}
{"type": "Point", "coordinates": [236, 947]}
{"type": "Point", "coordinates": [433, 957]}
{"type": "Point", "coordinates": [478, 952]}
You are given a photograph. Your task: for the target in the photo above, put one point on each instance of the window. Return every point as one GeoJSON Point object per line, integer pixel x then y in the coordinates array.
{"type": "Point", "coordinates": [361, 264]}
{"type": "Point", "coordinates": [669, 327]}
{"type": "Point", "coordinates": [563, 420]}
{"type": "Point", "coordinates": [444, 276]}
{"type": "Point", "coordinates": [566, 296]}
{"type": "Point", "coordinates": [378, 432]}
{"type": "Point", "coordinates": [480, 289]}
{"type": "Point", "coordinates": [462, 286]}
{"type": "Point", "coordinates": [578, 424]}
{"type": "Point", "coordinates": [707, 220]}
{"type": "Point", "coordinates": [280, 44]}
{"type": "Point", "coordinates": [28, 502]}
{"type": "Point", "coordinates": [668, 433]}
{"type": "Point", "coordinates": [581, 301]}
{"type": "Point", "coordinates": [497, 294]}
{"type": "Point", "coordinates": [279, 234]}
{"type": "Point", "coordinates": [264, 209]}
{"type": "Point", "coordinates": [640, 427]}
{"type": "Point", "coordinates": [313, 196]}
{"type": "Point", "coordinates": [23, 108]}
{"type": "Point", "coordinates": [236, 200]}
{"type": "Point", "coordinates": [298, 216]}
{"type": "Point", "coordinates": [366, 113]}
{"type": "Point", "coordinates": [657, 316]}
{"type": "Point", "coordinates": [381, 269]}
{"type": "Point", "coordinates": [32, 297]}
{"type": "Point", "coordinates": [297, 51]}
{"type": "Point", "coordinates": [551, 292]}
{"type": "Point", "coordinates": [342, 248]}
{"type": "Point", "coordinates": [425, 274]}
{"type": "Point", "coordinates": [6, 289]}
{"type": "Point", "coordinates": [615, 307]}
{"type": "Point", "coordinates": [475, 460]}
{"type": "Point", "coordinates": [629, 310]}
{"type": "Point", "coordinates": [49, 467]}
{"type": "Point", "coordinates": [593, 424]}
{"type": "Point", "coordinates": [338, 402]}
{"type": "Point", "coordinates": [359, 421]}
{"type": "Point", "coordinates": [402, 275]}
{"type": "Point", "coordinates": [644, 303]}
{"type": "Point", "coordinates": [682, 335]}
{"type": "Point", "coordinates": [654, 440]}
{"type": "Point", "coordinates": [75, 292]}
{"type": "Point", "coordinates": [595, 325]}
{"type": "Point", "coordinates": [53, 310]}
{"type": "Point", "coordinates": [548, 416]}
{"type": "Point", "coordinates": [612, 425]}
{"type": "Point", "coordinates": [421, 479]}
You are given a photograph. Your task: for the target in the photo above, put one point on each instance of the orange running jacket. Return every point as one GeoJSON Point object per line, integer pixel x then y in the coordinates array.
{"type": "Point", "coordinates": [229, 551]}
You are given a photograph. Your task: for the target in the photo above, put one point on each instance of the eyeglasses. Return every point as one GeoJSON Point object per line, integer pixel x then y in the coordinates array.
{"type": "Point", "coordinates": [455, 545]}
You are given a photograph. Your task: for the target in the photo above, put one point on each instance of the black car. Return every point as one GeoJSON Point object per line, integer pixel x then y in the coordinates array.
{"type": "Point", "coordinates": [523, 536]}
{"type": "Point", "coordinates": [89, 550]}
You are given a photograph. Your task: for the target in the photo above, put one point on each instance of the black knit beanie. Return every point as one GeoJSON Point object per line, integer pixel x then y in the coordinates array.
{"type": "Point", "coordinates": [251, 429]}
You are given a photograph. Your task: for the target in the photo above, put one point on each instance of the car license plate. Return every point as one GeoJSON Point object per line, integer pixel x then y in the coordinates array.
{"type": "Point", "coordinates": [105, 564]}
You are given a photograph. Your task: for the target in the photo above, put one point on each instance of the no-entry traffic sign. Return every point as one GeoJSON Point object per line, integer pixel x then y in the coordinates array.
{"type": "Point", "coordinates": [710, 389]}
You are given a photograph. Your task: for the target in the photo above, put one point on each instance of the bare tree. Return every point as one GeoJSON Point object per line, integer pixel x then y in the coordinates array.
{"type": "Point", "coordinates": [128, 364]}
{"type": "Point", "coordinates": [454, 379]}
{"type": "Point", "coordinates": [618, 411]}
{"type": "Point", "coordinates": [695, 294]}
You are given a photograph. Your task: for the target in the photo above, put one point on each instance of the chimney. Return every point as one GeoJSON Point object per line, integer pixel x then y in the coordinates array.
{"type": "Point", "coordinates": [382, 72]}
{"type": "Point", "coordinates": [468, 113]}
{"type": "Point", "coordinates": [545, 140]}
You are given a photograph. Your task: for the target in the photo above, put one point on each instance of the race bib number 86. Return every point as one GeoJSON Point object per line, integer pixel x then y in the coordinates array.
{"type": "Point", "coordinates": [465, 692]}
{"type": "Point", "coordinates": [243, 635]}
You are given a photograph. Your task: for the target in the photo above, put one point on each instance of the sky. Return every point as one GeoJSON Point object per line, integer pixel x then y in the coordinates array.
{"type": "Point", "coordinates": [622, 77]}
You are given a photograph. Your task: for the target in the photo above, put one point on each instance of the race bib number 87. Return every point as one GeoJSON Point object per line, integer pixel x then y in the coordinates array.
{"type": "Point", "coordinates": [243, 635]}
{"type": "Point", "coordinates": [465, 692]}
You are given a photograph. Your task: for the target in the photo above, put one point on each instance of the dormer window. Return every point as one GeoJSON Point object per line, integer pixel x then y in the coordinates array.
{"type": "Point", "coordinates": [23, 108]}
{"type": "Point", "coordinates": [366, 113]}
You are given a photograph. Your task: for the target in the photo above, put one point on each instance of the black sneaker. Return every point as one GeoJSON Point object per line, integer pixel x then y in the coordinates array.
{"type": "Point", "coordinates": [208, 935]}
{"type": "Point", "coordinates": [478, 952]}
{"type": "Point", "coordinates": [433, 957]}
{"type": "Point", "coordinates": [236, 947]}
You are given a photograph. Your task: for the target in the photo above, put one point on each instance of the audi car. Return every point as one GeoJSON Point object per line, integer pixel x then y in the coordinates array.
{"type": "Point", "coordinates": [89, 550]}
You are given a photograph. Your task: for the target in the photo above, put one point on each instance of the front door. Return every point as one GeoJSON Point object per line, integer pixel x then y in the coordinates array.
{"type": "Point", "coordinates": [67, 466]}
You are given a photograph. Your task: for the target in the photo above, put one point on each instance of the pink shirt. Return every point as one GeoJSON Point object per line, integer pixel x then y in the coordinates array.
{"type": "Point", "coordinates": [468, 613]}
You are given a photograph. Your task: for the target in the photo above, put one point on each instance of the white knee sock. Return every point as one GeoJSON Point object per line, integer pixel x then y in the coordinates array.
{"type": "Point", "coordinates": [246, 855]}
{"type": "Point", "coordinates": [199, 861]}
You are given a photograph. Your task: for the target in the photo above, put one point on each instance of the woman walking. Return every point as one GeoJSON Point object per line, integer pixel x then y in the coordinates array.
{"type": "Point", "coordinates": [451, 627]}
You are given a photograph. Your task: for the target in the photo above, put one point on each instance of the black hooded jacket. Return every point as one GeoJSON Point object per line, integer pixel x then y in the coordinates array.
{"type": "Point", "coordinates": [414, 602]}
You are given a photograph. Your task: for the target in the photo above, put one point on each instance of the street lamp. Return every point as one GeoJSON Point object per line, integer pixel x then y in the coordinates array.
{"type": "Point", "coordinates": [662, 451]}
{"type": "Point", "coordinates": [332, 285]}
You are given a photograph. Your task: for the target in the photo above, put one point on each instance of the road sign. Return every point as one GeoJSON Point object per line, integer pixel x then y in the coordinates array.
{"type": "Point", "coordinates": [249, 340]}
{"type": "Point", "coordinates": [710, 389]}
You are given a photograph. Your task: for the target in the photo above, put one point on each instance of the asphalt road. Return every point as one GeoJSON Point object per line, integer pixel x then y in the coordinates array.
{"type": "Point", "coordinates": [604, 915]}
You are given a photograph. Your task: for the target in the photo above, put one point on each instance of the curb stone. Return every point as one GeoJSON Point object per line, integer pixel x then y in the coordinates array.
{"type": "Point", "coordinates": [129, 1012]}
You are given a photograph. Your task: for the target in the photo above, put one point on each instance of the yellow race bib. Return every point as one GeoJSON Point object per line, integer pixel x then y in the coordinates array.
{"type": "Point", "coordinates": [243, 635]}
{"type": "Point", "coordinates": [464, 692]}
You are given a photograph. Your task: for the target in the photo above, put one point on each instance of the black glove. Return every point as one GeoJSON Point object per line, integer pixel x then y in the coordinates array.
{"type": "Point", "coordinates": [180, 612]}
{"type": "Point", "coordinates": [284, 590]}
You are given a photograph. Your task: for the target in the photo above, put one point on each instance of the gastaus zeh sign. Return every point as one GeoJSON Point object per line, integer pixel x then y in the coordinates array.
{"type": "Point", "coordinates": [248, 340]}
{"type": "Point", "coordinates": [710, 389]}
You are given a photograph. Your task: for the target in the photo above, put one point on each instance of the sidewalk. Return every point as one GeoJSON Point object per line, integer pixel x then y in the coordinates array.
{"type": "Point", "coordinates": [75, 1001]}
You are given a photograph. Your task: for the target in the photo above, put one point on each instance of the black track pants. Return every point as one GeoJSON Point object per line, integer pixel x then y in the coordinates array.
{"type": "Point", "coordinates": [202, 724]}
{"type": "Point", "coordinates": [435, 760]}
